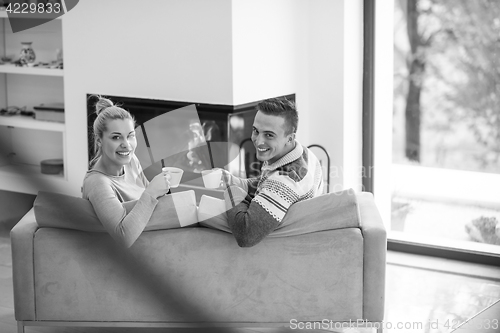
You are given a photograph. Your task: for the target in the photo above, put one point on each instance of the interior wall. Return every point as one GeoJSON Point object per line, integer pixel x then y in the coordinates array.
{"type": "Point", "coordinates": [270, 53]}
{"type": "Point", "coordinates": [335, 86]}
{"type": "Point", "coordinates": [352, 160]}
{"type": "Point", "coordinates": [314, 49]}
{"type": "Point", "coordinates": [223, 52]}
{"type": "Point", "coordinates": [325, 78]}
{"type": "Point", "coordinates": [172, 50]}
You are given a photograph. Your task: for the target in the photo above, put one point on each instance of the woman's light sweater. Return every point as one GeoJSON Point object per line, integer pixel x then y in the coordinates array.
{"type": "Point", "coordinates": [107, 195]}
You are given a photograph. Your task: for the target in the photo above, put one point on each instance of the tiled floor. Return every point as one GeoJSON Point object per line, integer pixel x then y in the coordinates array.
{"type": "Point", "coordinates": [434, 301]}
{"type": "Point", "coordinates": [423, 295]}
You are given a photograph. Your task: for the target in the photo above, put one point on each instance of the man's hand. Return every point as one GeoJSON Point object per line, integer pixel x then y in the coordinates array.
{"type": "Point", "coordinates": [225, 180]}
{"type": "Point", "coordinates": [234, 195]}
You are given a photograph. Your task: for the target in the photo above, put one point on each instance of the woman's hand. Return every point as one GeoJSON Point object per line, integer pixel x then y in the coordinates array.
{"type": "Point", "coordinates": [225, 180]}
{"type": "Point", "coordinates": [159, 185]}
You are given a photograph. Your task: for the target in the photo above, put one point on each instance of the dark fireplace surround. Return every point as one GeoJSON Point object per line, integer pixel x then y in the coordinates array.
{"type": "Point", "coordinates": [219, 124]}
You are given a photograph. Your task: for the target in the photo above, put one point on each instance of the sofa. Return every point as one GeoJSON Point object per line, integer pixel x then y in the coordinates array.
{"type": "Point", "coordinates": [324, 266]}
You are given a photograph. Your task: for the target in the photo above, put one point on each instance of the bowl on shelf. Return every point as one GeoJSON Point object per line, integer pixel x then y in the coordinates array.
{"type": "Point", "coordinates": [52, 166]}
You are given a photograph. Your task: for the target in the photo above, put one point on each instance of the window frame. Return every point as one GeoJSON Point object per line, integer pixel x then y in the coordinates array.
{"type": "Point", "coordinates": [394, 242]}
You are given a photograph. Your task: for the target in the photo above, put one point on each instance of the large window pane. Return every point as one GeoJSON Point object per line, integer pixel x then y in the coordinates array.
{"type": "Point", "coordinates": [445, 165]}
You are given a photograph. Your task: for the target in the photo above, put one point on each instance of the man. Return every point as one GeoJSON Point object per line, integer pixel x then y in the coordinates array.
{"type": "Point", "coordinates": [290, 173]}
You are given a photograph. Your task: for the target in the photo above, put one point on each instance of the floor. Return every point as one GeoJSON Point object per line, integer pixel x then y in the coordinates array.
{"type": "Point", "coordinates": [423, 295]}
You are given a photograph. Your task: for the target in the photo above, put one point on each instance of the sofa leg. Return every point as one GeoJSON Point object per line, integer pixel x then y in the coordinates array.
{"type": "Point", "coordinates": [20, 327]}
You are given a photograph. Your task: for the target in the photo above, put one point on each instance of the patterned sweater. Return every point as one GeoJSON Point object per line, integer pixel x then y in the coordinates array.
{"type": "Point", "coordinates": [256, 206]}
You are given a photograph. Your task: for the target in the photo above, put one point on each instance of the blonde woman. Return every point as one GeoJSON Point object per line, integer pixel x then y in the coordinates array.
{"type": "Point", "coordinates": [115, 176]}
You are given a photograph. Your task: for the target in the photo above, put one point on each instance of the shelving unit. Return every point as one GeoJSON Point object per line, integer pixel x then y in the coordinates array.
{"type": "Point", "coordinates": [26, 178]}
{"type": "Point", "coordinates": [25, 141]}
{"type": "Point", "coordinates": [11, 69]}
{"type": "Point", "coordinates": [31, 123]}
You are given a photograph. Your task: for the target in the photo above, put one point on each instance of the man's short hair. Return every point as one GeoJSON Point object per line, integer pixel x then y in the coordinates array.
{"type": "Point", "coordinates": [282, 107]}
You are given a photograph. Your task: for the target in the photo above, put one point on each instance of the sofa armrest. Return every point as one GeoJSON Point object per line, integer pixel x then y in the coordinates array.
{"type": "Point", "coordinates": [374, 258]}
{"type": "Point", "coordinates": [22, 236]}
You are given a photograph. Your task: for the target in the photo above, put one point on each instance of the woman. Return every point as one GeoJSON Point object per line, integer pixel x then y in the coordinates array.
{"type": "Point", "coordinates": [115, 176]}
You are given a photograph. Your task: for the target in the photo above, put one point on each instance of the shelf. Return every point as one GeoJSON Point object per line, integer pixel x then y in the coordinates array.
{"type": "Point", "coordinates": [30, 139]}
{"type": "Point", "coordinates": [27, 170]}
{"type": "Point", "coordinates": [31, 123]}
{"type": "Point", "coordinates": [12, 69]}
{"type": "Point", "coordinates": [29, 179]}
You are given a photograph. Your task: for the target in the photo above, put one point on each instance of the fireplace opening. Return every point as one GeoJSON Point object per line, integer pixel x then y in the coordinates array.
{"type": "Point", "coordinates": [187, 136]}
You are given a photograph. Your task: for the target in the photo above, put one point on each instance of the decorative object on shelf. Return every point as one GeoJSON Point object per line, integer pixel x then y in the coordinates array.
{"type": "Point", "coordinates": [53, 64]}
{"type": "Point", "coordinates": [52, 166]}
{"type": "Point", "coordinates": [59, 55]}
{"type": "Point", "coordinates": [12, 110]}
{"type": "Point", "coordinates": [50, 112]}
{"type": "Point", "coordinates": [27, 54]}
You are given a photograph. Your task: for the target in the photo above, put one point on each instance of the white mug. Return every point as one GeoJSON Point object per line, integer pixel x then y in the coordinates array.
{"type": "Point", "coordinates": [175, 175]}
{"type": "Point", "coordinates": [211, 178]}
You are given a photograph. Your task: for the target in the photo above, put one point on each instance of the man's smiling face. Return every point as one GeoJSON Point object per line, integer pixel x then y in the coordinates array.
{"type": "Point", "coordinates": [269, 137]}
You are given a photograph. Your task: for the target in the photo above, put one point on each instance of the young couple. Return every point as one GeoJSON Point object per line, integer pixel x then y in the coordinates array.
{"type": "Point", "coordinates": [255, 207]}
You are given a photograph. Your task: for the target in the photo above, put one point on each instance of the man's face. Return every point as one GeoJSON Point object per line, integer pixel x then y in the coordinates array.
{"type": "Point", "coordinates": [269, 139]}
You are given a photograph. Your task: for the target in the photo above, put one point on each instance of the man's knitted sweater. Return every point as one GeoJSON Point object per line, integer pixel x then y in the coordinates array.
{"type": "Point", "coordinates": [256, 206]}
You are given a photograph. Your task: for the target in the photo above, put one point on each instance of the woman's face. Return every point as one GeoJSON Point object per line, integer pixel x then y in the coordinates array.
{"type": "Point", "coordinates": [118, 143]}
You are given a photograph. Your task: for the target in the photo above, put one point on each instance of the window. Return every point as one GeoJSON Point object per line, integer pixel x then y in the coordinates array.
{"type": "Point", "coordinates": [436, 123]}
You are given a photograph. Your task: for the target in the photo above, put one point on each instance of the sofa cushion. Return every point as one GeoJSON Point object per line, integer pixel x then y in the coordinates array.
{"type": "Point", "coordinates": [335, 210]}
{"type": "Point", "coordinates": [54, 210]}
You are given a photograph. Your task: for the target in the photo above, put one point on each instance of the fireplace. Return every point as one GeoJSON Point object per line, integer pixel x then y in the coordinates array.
{"type": "Point", "coordinates": [213, 123]}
